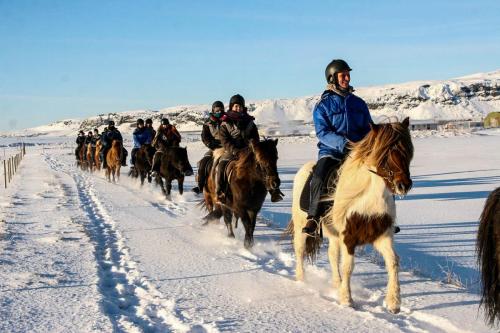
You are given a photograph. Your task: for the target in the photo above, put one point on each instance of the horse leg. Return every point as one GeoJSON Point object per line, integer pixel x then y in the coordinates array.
{"type": "Point", "coordinates": [333, 257]}
{"type": "Point", "coordinates": [159, 181]}
{"type": "Point", "coordinates": [384, 245]}
{"type": "Point", "coordinates": [347, 268]}
{"type": "Point", "coordinates": [299, 245]}
{"type": "Point", "coordinates": [118, 172]}
{"type": "Point", "coordinates": [247, 223]}
{"type": "Point", "coordinates": [228, 219]}
{"type": "Point", "coordinates": [143, 177]}
{"type": "Point", "coordinates": [180, 182]}
{"type": "Point", "coordinates": [169, 186]}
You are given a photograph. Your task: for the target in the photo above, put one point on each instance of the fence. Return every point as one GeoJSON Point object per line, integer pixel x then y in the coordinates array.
{"type": "Point", "coordinates": [11, 165]}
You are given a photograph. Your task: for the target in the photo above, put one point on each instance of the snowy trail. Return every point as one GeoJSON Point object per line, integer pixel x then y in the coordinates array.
{"type": "Point", "coordinates": [152, 267]}
{"type": "Point", "coordinates": [210, 282]}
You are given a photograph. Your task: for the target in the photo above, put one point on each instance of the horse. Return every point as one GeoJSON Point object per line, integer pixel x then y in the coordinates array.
{"type": "Point", "coordinates": [174, 164]}
{"type": "Point", "coordinates": [364, 210]}
{"type": "Point", "coordinates": [142, 164]}
{"type": "Point", "coordinates": [113, 160]}
{"type": "Point", "coordinates": [252, 174]}
{"type": "Point", "coordinates": [82, 158]}
{"type": "Point", "coordinates": [89, 158]}
{"type": "Point", "coordinates": [488, 249]}
{"type": "Point", "coordinates": [97, 155]}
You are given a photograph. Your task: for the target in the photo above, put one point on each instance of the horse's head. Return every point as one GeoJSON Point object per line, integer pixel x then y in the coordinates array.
{"type": "Point", "coordinates": [388, 148]}
{"type": "Point", "coordinates": [179, 159]}
{"type": "Point", "coordinates": [266, 156]}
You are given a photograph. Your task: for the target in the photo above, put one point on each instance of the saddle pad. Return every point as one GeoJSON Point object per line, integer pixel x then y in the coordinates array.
{"type": "Point", "coordinates": [326, 191]}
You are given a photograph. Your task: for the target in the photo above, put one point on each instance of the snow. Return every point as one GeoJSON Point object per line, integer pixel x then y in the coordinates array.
{"type": "Point", "coordinates": [80, 254]}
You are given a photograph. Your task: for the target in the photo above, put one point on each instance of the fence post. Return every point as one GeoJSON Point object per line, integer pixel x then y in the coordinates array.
{"type": "Point", "coordinates": [5, 172]}
{"type": "Point", "coordinates": [9, 169]}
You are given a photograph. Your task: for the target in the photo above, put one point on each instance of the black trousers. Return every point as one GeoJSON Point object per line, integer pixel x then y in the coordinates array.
{"type": "Point", "coordinates": [202, 172]}
{"type": "Point", "coordinates": [323, 166]}
{"type": "Point", "coordinates": [133, 153]}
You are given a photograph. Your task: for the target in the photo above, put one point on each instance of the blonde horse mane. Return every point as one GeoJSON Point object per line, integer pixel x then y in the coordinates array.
{"type": "Point", "coordinates": [372, 151]}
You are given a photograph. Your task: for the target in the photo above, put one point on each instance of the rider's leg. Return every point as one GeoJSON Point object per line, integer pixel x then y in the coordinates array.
{"type": "Point", "coordinates": [224, 160]}
{"type": "Point", "coordinates": [320, 173]}
{"type": "Point", "coordinates": [133, 153]}
{"type": "Point", "coordinates": [124, 157]}
{"type": "Point", "coordinates": [202, 172]}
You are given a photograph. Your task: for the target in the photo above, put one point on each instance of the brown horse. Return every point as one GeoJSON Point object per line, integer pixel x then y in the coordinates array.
{"type": "Point", "coordinates": [142, 164]}
{"type": "Point", "coordinates": [488, 249]}
{"type": "Point", "coordinates": [97, 155]}
{"type": "Point", "coordinates": [364, 210]}
{"type": "Point", "coordinates": [90, 161]}
{"type": "Point", "coordinates": [82, 158]}
{"type": "Point", "coordinates": [113, 160]}
{"type": "Point", "coordinates": [251, 175]}
{"type": "Point", "coordinates": [174, 164]}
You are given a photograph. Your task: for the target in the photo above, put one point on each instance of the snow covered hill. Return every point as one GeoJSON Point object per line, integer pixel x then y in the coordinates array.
{"type": "Point", "coordinates": [469, 97]}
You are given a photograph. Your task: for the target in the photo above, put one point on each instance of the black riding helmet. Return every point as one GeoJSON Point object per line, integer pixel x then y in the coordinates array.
{"type": "Point", "coordinates": [149, 121]}
{"type": "Point", "coordinates": [334, 67]}
{"type": "Point", "coordinates": [90, 133]}
{"type": "Point", "coordinates": [217, 105]}
{"type": "Point", "coordinates": [96, 130]}
{"type": "Point", "coordinates": [165, 121]}
{"type": "Point", "coordinates": [236, 99]}
{"type": "Point", "coordinates": [111, 123]}
{"type": "Point", "coordinates": [140, 122]}
{"type": "Point", "coordinates": [81, 132]}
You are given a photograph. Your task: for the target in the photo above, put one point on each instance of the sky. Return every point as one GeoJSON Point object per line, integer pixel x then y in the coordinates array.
{"type": "Point", "coordinates": [64, 59]}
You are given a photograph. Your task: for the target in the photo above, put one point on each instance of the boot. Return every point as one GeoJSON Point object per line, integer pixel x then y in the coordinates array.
{"type": "Point", "coordinates": [218, 186]}
{"type": "Point", "coordinates": [311, 227]}
{"type": "Point", "coordinates": [196, 190]}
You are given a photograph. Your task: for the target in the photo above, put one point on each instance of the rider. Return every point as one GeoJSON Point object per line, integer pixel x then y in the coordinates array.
{"type": "Point", "coordinates": [88, 140]}
{"type": "Point", "coordinates": [210, 135]}
{"type": "Point", "coordinates": [141, 137]}
{"type": "Point", "coordinates": [152, 134]}
{"type": "Point", "coordinates": [80, 140]}
{"type": "Point", "coordinates": [93, 143]}
{"type": "Point", "coordinates": [166, 136]}
{"type": "Point", "coordinates": [107, 138]}
{"type": "Point", "coordinates": [339, 117]}
{"type": "Point", "coordinates": [236, 132]}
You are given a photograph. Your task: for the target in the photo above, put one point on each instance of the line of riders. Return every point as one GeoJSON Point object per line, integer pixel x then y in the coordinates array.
{"type": "Point", "coordinates": [339, 117]}
{"type": "Point", "coordinates": [232, 130]}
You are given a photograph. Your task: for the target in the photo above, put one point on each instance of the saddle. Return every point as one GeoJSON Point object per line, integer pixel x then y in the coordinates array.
{"type": "Point", "coordinates": [327, 190]}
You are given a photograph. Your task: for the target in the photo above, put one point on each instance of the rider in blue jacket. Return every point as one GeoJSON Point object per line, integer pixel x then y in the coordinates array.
{"type": "Point", "coordinates": [339, 117]}
{"type": "Point", "coordinates": [141, 136]}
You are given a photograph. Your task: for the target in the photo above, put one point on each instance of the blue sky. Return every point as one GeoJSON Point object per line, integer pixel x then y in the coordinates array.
{"type": "Point", "coordinates": [72, 59]}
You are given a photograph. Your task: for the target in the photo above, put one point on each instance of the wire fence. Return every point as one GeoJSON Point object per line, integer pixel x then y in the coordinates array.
{"type": "Point", "coordinates": [11, 165]}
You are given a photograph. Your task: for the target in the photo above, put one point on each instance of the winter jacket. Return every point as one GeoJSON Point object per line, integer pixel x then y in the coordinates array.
{"type": "Point", "coordinates": [88, 139]}
{"type": "Point", "coordinates": [141, 137]}
{"type": "Point", "coordinates": [152, 134]}
{"type": "Point", "coordinates": [167, 137]}
{"type": "Point", "coordinates": [236, 134]}
{"type": "Point", "coordinates": [95, 138]}
{"type": "Point", "coordinates": [80, 140]}
{"type": "Point", "coordinates": [210, 134]}
{"type": "Point", "coordinates": [338, 119]}
{"type": "Point", "coordinates": [110, 135]}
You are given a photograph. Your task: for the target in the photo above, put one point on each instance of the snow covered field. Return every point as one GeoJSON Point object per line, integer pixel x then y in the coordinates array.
{"type": "Point", "coordinates": [80, 254]}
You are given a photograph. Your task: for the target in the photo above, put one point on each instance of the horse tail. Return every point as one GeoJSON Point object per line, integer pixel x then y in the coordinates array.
{"type": "Point", "coordinates": [488, 249]}
{"type": "Point", "coordinates": [289, 230]}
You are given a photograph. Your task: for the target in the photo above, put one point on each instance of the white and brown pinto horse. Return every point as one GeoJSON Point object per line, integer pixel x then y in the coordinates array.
{"type": "Point", "coordinates": [364, 210]}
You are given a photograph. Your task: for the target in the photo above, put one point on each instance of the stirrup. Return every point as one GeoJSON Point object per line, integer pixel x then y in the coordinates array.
{"type": "Point", "coordinates": [196, 190]}
{"type": "Point", "coordinates": [309, 231]}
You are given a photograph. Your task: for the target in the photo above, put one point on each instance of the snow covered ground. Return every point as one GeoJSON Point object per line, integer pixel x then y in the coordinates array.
{"type": "Point", "coordinates": [80, 254]}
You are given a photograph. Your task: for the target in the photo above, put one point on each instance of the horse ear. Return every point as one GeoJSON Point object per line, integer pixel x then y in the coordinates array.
{"type": "Point", "coordinates": [406, 122]}
{"type": "Point", "coordinates": [276, 142]}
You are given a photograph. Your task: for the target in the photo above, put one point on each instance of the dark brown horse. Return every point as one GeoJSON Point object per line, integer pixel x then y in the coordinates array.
{"type": "Point", "coordinates": [142, 164]}
{"type": "Point", "coordinates": [174, 165]}
{"type": "Point", "coordinates": [251, 175]}
{"type": "Point", "coordinates": [113, 160]}
{"type": "Point", "coordinates": [488, 248]}
{"type": "Point", "coordinates": [82, 157]}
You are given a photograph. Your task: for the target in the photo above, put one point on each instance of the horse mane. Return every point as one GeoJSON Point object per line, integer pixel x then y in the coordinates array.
{"type": "Point", "coordinates": [244, 165]}
{"type": "Point", "coordinates": [371, 151]}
